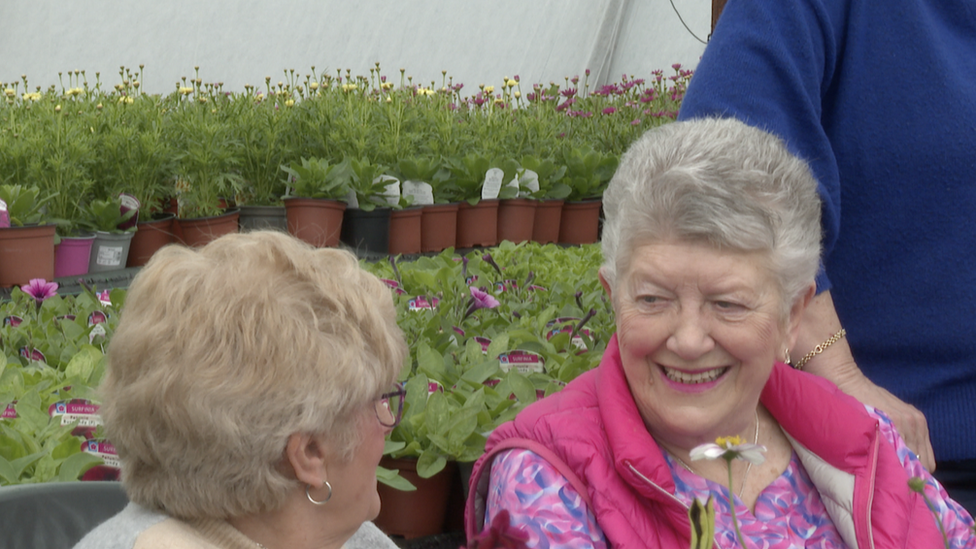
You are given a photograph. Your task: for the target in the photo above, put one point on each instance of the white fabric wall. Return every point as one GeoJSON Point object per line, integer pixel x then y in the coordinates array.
{"type": "Point", "coordinates": [241, 41]}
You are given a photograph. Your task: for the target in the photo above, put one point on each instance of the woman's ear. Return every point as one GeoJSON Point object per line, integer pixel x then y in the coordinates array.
{"type": "Point", "coordinates": [796, 312]}
{"type": "Point", "coordinates": [308, 455]}
{"type": "Point", "coordinates": [605, 284]}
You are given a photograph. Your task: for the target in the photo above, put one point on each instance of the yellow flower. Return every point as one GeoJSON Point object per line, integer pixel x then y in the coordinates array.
{"type": "Point", "coordinates": [386, 85]}
{"type": "Point", "coordinates": [57, 108]}
{"type": "Point", "coordinates": [729, 441]}
{"type": "Point", "coordinates": [489, 89]}
{"type": "Point", "coordinates": [202, 99]}
{"type": "Point", "coordinates": [290, 103]}
{"type": "Point", "coordinates": [518, 94]}
{"type": "Point", "coordinates": [32, 96]}
{"type": "Point", "coordinates": [185, 90]}
{"type": "Point", "coordinates": [75, 91]}
{"type": "Point", "coordinates": [511, 83]}
{"type": "Point", "coordinates": [389, 99]}
{"type": "Point", "coordinates": [125, 99]}
{"type": "Point", "coordinates": [9, 92]}
{"type": "Point", "coordinates": [348, 87]}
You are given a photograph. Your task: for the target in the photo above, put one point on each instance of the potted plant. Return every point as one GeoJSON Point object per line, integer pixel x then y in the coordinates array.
{"type": "Point", "coordinates": [477, 217]}
{"type": "Point", "coordinates": [313, 203]}
{"type": "Point", "coordinates": [366, 222]}
{"type": "Point", "coordinates": [516, 213]}
{"type": "Point", "coordinates": [110, 248]}
{"type": "Point", "coordinates": [26, 245]}
{"type": "Point", "coordinates": [587, 174]}
{"type": "Point", "coordinates": [550, 194]}
{"type": "Point", "coordinates": [438, 221]}
{"type": "Point", "coordinates": [208, 158]}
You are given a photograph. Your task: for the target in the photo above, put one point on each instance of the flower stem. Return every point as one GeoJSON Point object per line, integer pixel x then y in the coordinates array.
{"type": "Point", "coordinates": [735, 520]}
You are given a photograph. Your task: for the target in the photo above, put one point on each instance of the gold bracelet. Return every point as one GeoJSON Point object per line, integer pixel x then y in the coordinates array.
{"type": "Point", "coordinates": [819, 349]}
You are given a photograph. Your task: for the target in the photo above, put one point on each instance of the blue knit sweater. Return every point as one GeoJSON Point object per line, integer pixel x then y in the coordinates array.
{"type": "Point", "coordinates": [880, 98]}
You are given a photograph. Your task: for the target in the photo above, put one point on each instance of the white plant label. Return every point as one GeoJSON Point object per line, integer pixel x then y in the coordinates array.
{"type": "Point", "coordinates": [391, 192]}
{"type": "Point", "coordinates": [422, 193]}
{"type": "Point", "coordinates": [351, 201]}
{"type": "Point", "coordinates": [493, 184]}
{"type": "Point", "coordinates": [529, 180]}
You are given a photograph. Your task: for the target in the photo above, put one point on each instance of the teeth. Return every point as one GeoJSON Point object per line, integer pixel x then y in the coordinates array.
{"type": "Point", "coordinates": [693, 379]}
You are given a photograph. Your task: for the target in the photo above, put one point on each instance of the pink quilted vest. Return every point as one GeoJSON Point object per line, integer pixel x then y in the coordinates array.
{"type": "Point", "coordinates": [592, 432]}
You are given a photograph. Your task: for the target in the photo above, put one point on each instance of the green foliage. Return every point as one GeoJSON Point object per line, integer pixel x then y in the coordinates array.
{"type": "Point", "coordinates": [588, 172]}
{"type": "Point", "coordinates": [316, 178]}
{"type": "Point", "coordinates": [106, 215]}
{"type": "Point", "coordinates": [365, 181]}
{"type": "Point", "coordinates": [23, 204]}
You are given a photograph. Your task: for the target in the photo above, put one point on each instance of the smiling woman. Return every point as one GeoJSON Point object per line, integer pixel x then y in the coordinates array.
{"type": "Point", "coordinates": [711, 244]}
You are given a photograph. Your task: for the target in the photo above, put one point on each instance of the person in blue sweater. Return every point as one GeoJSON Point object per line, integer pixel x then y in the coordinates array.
{"type": "Point", "coordinates": [880, 99]}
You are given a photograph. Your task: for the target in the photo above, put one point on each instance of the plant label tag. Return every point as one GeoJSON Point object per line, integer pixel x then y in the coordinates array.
{"type": "Point", "coordinates": [421, 302]}
{"type": "Point", "coordinates": [129, 203]}
{"type": "Point", "coordinates": [9, 412]}
{"type": "Point", "coordinates": [105, 298]}
{"type": "Point", "coordinates": [470, 280]}
{"type": "Point", "coordinates": [98, 330]}
{"type": "Point", "coordinates": [422, 193]}
{"type": "Point", "coordinates": [391, 193]}
{"type": "Point", "coordinates": [97, 317]}
{"type": "Point", "coordinates": [4, 215]}
{"type": "Point", "coordinates": [492, 184]}
{"type": "Point", "coordinates": [526, 362]}
{"type": "Point", "coordinates": [84, 411]}
{"type": "Point", "coordinates": [514, 183]}
{"type": "Point", "coordinates": [506, 286]}
{"type": "Point", "coordinates": [12, 321]}
{"type": "Point", "coordinates": [103, 449]}
{"type": "Point", "coordinates": [351, 201]}
{"type": "Point", "coordinates": [529, 180]}
{"type": "Point", "coordinates": [33, 355]}
{"type": "Point", "coordinates": [434, 386]}
{"type": "Point", "coordinates": [109, 256]}
{"type": "Point", "coordinates": [484, 342]}
{"type": "Point", "coordinates": [566, 327]}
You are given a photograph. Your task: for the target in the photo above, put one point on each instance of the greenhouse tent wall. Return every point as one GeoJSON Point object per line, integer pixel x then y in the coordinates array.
{"type": "Point", "coordinates": [240, 42]}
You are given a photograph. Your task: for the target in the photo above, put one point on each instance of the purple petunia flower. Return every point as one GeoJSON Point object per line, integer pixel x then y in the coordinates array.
{"type": "Point", "coordinates": [482, 300]}
{"type": "Point", "coordinates": [40, 289]}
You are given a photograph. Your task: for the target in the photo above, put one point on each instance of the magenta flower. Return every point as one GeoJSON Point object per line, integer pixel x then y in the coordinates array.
{"type": "Point", "coordinates": [482, 300]}
{"type": "Point", "coordinates": [609, 110]}
{"type": "Point", "coordinates": [40, 289]}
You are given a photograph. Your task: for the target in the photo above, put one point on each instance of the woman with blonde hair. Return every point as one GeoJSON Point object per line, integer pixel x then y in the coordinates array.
{"type": "Point", "coordinates": [249, 388]}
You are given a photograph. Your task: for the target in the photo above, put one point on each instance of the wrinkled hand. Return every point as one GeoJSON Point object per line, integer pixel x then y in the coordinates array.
{"type": "Point", "coordinates": [909, 421]}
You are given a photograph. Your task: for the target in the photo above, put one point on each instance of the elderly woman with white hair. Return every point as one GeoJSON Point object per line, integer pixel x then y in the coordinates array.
{"type": "Point", "coordinates": [711, 244]}
{"type": "Point", "coordinates": [249, 388]}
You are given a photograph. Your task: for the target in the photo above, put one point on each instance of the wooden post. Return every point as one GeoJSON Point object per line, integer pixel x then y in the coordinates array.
{"type": "Point", "coordinates": [717, 7]}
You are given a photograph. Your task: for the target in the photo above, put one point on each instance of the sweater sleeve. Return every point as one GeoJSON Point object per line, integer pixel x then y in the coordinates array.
{"type": "Point", "coordinates": [541, 502]}
{"type": "Point", "coordinates": [771, 64]}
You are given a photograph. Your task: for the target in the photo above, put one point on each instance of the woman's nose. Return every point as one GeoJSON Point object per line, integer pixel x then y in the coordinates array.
{"type": "Point", "coordinates": [690, 337]}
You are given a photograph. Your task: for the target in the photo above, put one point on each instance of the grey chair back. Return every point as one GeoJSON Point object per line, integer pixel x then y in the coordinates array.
{"type": "Point", "coordinates": [55, 515]}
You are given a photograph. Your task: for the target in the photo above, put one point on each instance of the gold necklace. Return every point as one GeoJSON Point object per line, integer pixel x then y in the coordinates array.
{"type": "Point", "coordinates": [748, 468]}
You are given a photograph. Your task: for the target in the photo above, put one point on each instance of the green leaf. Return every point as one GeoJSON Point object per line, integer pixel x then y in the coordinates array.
{"type": "Point", "coordinates": [430, 463]}
{"type": "Point", "coordinates": [83, 363]}
{"type": "Point", "coordinates": [75, 465]}
{"type": "Point", "coordinates": [392, 478]}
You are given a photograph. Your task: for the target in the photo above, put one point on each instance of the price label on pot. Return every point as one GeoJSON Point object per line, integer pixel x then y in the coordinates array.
{"type": "Point", "coordinates": [391, 192]}
{"type": "Point", "coordinates": [84, 411]}
{"type": "Point", "coordinates": [493, 184]}
{"type": "Point", "coordinates": [422, 193]}
{"type": "Point", "coordinates": [128, 203]}
{"type": "Point", "coordinates": [109, 256]}
{"type": "Point", "coordinates": [9, 412]}
{"type": "Point", "coordinates": [526, 362]}
{"type": "Point", "coordinates": [421, 302]}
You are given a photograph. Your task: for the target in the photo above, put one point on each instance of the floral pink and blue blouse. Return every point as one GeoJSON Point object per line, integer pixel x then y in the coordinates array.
{"type": "Point", "coordinates": [788, 514]}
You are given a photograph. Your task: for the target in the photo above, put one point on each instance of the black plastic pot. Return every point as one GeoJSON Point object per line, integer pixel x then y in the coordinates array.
{"type": "Point", "coordinates": [367, 231]}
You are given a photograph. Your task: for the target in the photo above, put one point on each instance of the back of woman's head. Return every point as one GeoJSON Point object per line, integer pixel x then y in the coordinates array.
{"type": "Point", "coordinates": [223, 352]}
{"type": "Point", "coordinates": [718, 182]}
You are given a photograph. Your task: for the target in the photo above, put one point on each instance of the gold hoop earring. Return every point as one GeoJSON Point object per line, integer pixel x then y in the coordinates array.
{"type": "Point", "coordinates": [324, 501]}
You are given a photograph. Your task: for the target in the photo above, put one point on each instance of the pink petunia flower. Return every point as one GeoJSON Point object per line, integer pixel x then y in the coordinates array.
{"type": "Point", "coordinates": [482, 300]}
{"type": "Point", "coordinates": [40, 289]}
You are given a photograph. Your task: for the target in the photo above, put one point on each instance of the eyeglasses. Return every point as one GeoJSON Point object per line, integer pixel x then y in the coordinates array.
{"type": "Point", "coordinates": [389, 406]}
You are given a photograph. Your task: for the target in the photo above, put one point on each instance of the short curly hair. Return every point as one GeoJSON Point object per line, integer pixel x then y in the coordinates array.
{"type": "Point", "coordinates": [223, 352]}
{"type": "Point", "coordinates": [720, 182]}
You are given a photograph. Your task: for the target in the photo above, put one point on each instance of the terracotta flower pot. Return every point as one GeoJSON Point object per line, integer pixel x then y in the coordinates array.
{"type": "Point", "coordinates": [150, 236]}
{"type": "Point", "coordinates": [202, 230]}
{"type": "Point", "coordinates": [405, 231]}
{"type": "Point", "coordinates": [547, 217]}
{"type": "Point", "coordinates": [438, 227]}
{"type": "Point", "coordinates": [580, 223]}
{"type": "Point", "coordinates": [418, 513]}
{"type": "Point", "coordinates": [26, 253]}
{"type": "Point", "coordinates": [516, 219]}
{"type": "Point", "coordinates": [317, 221]}
{"type": "Point", "coordinates": [477, 225]}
